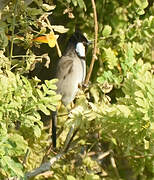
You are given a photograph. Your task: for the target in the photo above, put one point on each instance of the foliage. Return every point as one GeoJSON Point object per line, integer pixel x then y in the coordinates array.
{"type": "Point", "coordinates": [20, 102]}
{"type": "Point", "coordinates": [114, 115]}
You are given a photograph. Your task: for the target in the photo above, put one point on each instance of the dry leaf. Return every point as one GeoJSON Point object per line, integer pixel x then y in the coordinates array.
{"type": "Point", "coordinates": [48, 7]}
{"type": "Point", "coordinates": [59, 28]}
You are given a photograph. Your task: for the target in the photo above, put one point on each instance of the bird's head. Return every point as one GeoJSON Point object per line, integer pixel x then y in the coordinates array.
{"type": "Point", "coordinates": [80, 43]}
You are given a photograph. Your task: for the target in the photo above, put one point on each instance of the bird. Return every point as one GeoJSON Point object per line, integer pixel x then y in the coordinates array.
{"type": "Point", "coordinates": [71, 73]}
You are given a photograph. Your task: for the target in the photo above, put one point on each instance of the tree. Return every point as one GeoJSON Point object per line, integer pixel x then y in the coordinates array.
{"type": "Point", "coordinates": [113, 118]}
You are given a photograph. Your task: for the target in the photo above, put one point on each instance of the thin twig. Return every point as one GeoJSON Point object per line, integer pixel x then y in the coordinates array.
{"type": "Point", "coordinates": [94, 57]}
{"type": "Point", "coordinates": [58, 50]}
{"type": "Point", "coordinates": [113, 163]}
{"type": "Point", "coordinates": [25, 157]}
{"type": "Point", "coordinates": [72, 132]}
{"type": "Point", "coordinates": [70, 139]}
{"type": "Point", "coordinates": [13, 28]}
{"type": "Point", "coordinates": [135, 156]}
{"type": "Point", "coordinates": [104, 154]}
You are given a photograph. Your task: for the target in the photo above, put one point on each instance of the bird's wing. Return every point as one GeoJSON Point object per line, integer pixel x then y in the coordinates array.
{"type": "Point", "coordinates": [64, 67]}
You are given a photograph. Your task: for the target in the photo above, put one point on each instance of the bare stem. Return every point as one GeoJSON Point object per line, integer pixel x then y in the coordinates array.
{"type": "Point", "coordinates": [94, 57]}
{"type": "Point", "coordinates": [13, 27]}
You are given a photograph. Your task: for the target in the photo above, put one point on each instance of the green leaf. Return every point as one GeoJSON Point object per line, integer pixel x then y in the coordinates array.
{"type": "Point", "coordinates": [51, 107]}
{"type": "Point", "coordinates": [147, 34]}
{"type": "Point", "coordinates": [107, 30]}
{"type": "Point", "coordinates": [2, 152]}
{"type": "Point", "coordinates": [15, 167]}
{"type": "Point", "coordinates": [150, 96]}
{"type": "Point", "coordinates": [125, 110]}
{"type": "Point", "coordinates": [37, 131]}
{"type": "Point", "coordinates": [21, 144]}
{"type": "Point", "coordinates": [68, 1]}
{"type": "Point", "coordinates": [129, 55]}
{"type": "Point", "coordinates": [40, 93]}
{"type": "Point", "coordinates": [51, 92]}
{"type": "Point", "coordinates": [51, 84]}
{"type": "Point", "coordinates": [139, 94]}
{"type": "Point", "coordinates": [111, 58]}
{"type": "Point", "coordinates": [92, 177]}
{"type": "Point", "coordinates": [81, 4]}
{"type": "Point", "coordinates": [43, 108]}
{"type": "Point", "coordinates": [140, 12]}
{"type": "Point", "coordinates": [3, 37]}
{"type": "Point", "coordinates": [140, 84]}
{"type": "Point", "coordinates": [45, 89]}
{"type": "Point", "coordinates": [69, 177]}
{"type": "Point", "coordinates": [142, 3]}
{"type": "Point", "coordinates": [141, 102]}
{"type": "Point", "coordinates": [150, 89]}
{"type": "Point", "coordinates": [152, 126]}
{"type": "Point", "coordinates": [138, 48]}
{"type": "Point", "coordinates": [74, 2]}
{"type": "Point", "coordinates": [34, 11]}
{"type": "Point", "coordinates": [55, 99]}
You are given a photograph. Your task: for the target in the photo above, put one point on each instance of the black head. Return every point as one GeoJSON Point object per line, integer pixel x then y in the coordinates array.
{"type": "Point", "coordinates": [79, 37]}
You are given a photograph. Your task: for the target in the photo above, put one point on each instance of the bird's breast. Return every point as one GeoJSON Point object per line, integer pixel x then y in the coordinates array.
{"type": "Point", "coordinates": [68, 86]}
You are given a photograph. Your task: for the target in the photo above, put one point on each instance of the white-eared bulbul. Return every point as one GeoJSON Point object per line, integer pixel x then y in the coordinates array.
{"type": "Point", "coordinates": [71, 72]}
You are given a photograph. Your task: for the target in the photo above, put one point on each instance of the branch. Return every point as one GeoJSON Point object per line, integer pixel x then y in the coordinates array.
{"type": "Point", "coordinates": [47, 165]}
{"type": "Point", "coordinates": [94, 57]}
{"type": "Point", "coordinates": [69, 138]}
{"type": "Point", "coordinates": [44, 167]}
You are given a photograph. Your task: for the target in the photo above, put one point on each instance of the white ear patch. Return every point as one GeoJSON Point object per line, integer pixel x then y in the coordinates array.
{"type": "Point", "coordinates": [80, 49]}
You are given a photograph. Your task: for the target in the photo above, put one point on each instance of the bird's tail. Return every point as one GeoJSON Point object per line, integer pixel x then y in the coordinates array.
{"type": "Point", "coordinates": [54, 126]}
